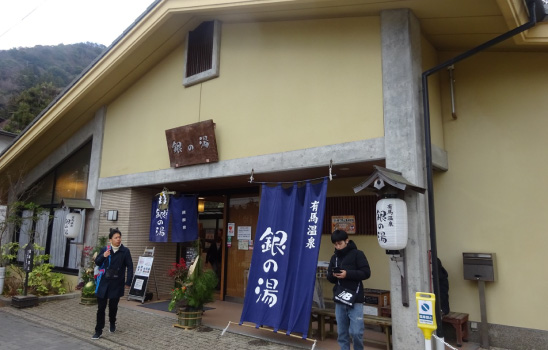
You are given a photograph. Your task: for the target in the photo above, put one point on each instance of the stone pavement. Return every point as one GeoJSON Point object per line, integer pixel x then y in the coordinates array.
{"type": "Point", "coordinates": [136, 329]}
{"type": "Point", "coordinates": [19, 334]}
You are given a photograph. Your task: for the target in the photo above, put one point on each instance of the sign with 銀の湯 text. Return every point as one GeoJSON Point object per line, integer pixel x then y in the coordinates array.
{"type": "Point", "coordinates": [192, 144]}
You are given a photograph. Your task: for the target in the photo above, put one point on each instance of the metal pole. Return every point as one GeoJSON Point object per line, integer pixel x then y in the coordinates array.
{"type": "Point", "coordinates": [26, 283]}
{"type": "Point", "coordinates": [483, 309]}
{"type": "Point", "coordinates": [428, 344]}
{"type": "Point", "coordinates": [452, 87]}
{"type": "Point", "coordinates": [440, 343]}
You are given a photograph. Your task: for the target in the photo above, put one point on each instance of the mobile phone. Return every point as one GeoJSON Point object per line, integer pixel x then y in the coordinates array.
{"type": "Point", "coordinates": [108, 246]}
{"type": "Point", "coordinates": [337, 269]}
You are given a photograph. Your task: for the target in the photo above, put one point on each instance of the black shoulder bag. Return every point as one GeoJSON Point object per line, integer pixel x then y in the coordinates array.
{"type": "Point", "coordinates": [344, 295]}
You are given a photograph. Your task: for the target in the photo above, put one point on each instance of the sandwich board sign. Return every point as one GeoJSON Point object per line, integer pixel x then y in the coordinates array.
{"type": "Point", "coordinates": [138, 288]}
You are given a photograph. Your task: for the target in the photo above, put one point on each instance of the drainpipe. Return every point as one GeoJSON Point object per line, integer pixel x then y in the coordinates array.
{"type": "Point", "coordinates": [531, 6]}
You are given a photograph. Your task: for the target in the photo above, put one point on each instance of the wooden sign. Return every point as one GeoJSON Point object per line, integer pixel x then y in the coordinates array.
{"type": "Point", "coordinates": [192, 144]}
{"type": "Point", "coordinates": [344, 222]}
{"type": "Point", "coordinates": [28, 261]}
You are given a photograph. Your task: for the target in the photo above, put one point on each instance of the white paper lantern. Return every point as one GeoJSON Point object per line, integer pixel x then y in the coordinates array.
{"type": "Point", "coordinates": [392, 223]}
{"type": "Point", "coordinates": [73, 222]}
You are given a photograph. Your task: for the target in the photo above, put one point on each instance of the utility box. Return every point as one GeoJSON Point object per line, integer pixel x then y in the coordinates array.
{"type": "Point", "coordinates": [479, 266]}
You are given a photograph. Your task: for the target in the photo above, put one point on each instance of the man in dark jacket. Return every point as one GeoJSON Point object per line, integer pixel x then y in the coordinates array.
{"type": "Point", "coordinates": [214, 256]}
{"type": "Point", "coordinates": [347, 269]}
{"type": "Point", "coordinates": [444, 288]}
{"type": "Point", "coordinates": [114, 259]}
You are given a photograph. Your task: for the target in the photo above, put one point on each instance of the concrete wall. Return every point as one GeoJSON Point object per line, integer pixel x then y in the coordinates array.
{"type": "Point", "coordinates": [278, 81]}
{"type": "Point", "coordinates": [493, 197]}
{"type": "Point", "coordinates": [430, 60]}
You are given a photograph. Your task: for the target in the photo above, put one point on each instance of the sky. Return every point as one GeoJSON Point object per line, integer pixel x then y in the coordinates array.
{"type": "Point", "coordinates": [27, 23]}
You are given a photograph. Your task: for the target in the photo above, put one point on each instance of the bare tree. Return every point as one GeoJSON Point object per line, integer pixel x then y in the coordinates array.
{"type": "Point", "coordinates": [14, 198]}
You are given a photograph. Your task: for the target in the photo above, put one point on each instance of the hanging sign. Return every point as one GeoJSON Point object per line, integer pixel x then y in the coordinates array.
{"type": "Point", "coordinates": [192, 144]}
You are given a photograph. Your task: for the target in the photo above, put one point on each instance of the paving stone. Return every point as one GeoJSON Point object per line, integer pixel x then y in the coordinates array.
{"type": "Point", "coordinates": [135, 329]}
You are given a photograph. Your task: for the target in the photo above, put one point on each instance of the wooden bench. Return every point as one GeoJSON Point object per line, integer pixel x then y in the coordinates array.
{"type": "Point", "coordinates": [328, 315]}
{"type": "Point", "coordinates": [459, 321]}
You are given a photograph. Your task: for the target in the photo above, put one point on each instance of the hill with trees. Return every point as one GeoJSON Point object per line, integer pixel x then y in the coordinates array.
{"type": "Point", "coordinates": [30, 78]}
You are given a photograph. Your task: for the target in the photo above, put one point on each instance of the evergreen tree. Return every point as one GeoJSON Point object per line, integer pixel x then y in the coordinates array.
{"type": "Point", "coordinates": [29, 104]}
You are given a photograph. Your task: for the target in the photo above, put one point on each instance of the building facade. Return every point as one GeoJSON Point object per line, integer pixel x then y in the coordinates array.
{"type": "Point", "coordinates": [292, 87]}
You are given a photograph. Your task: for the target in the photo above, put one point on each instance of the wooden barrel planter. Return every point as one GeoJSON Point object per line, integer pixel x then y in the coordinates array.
{"type": "Point", "coordinates": [188, 319]}
{"type": "Point", "coordinates": [88, 296]}
{"type": "Point", "coordinates": [88, 300]}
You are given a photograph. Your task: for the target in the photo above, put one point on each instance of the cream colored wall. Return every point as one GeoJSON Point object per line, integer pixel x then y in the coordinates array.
{"type": "Point", "coordinates": [376, 256]}
{"type": "Point", "coordinates": [430, 60]}
{"type": "Point", "coordinates": [493, 197]}
{"type": "Point", "coordinates": [278, 82]}
{"type": "Point", "coordinates": [70, 283]}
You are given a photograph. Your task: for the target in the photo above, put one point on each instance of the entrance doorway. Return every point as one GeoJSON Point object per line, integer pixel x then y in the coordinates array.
{"type": "Point", "coordinates": [243, 213]}
{"type": "Point", "coordinates": [215, 213]}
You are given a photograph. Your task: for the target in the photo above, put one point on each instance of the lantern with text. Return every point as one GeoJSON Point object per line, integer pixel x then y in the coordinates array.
{"type": "Point", "coordinates": [73, 223]}
{"type": "Point", "coordinates": [392, 223]}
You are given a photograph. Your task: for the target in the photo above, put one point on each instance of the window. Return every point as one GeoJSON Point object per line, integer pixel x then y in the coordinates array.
{"type": "Point", "coordinates": [202, 53]}
{"type": "Point", "coordinates": [69, 179]}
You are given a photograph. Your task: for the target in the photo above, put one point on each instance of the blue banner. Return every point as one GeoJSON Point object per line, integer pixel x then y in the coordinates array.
{"type": "Point", "coordinates": [184, 211]}
{"type": "Point", "coordinates": [283, 267]}
{"type": "Point", "coordinates": [159, 220]}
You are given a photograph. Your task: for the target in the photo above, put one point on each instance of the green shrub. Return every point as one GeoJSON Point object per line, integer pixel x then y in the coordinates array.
{"type": "Point", "coordinates": [43, 282]}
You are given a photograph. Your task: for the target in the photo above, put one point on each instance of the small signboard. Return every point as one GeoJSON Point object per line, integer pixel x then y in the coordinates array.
{"type": "Point", "coordinates": [138, 288]}
{"type": "Point", "coordinates": [192, 144]}
{"type": "Point", "coordinates": [243, 245]}
{"type": "Point", "coordinates": [426, 316]}
{"type": "Point", "coordinates": [231, 226]}
{"type": "Point", "coordinates": [426, 309]}
{"type": "Point", "coordinates": [29, 258]}
{"type": "Point", "coordinates": [144, 266]}
{"type": "Point", "coordinates": [244, 233]}
{"type": "Point", "coordinates": [344, 222]}
{"type": "Point", "coordinates": [191, 254]}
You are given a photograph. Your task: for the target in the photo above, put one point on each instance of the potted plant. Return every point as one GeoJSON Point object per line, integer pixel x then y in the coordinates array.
{"type": "Point", "coordinates": [179, 273]}
{"type": "Point", "coordinates": [195, 288]}
{"type": "Point", "coordinates": [88, 279]}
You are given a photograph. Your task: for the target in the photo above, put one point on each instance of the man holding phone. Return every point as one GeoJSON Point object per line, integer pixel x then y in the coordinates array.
{"type": "Point", "coordinates": [347, 269]}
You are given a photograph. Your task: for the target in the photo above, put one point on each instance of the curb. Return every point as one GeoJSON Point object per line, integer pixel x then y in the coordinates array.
{"type": "Point", "coordinates": [6, 301]}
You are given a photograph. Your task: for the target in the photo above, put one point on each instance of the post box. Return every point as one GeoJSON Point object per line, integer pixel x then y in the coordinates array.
{"type": "Point", "coordinates": [479, 266]}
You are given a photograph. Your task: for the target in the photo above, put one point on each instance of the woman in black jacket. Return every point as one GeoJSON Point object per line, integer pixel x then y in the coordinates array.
{"type": "Point", "coordinates": [347, 269]}
{"type": "Point", "coordinates": [114, 259]}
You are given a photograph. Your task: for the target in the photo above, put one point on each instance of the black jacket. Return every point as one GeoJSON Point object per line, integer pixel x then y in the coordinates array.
{"type": "Point", "coordinates": [120, 261]}
{"type": "Point", "coordinates": [214, 254]}
{"type": "Point", "coordinates": [357, 269]}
